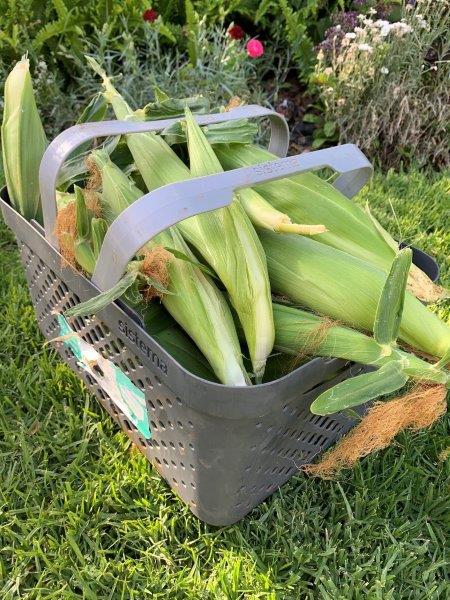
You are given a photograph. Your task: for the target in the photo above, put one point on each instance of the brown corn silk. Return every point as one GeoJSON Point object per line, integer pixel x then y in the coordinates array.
{"type": "Point", "coordinates": [418, 409]}
{"type": "Point", "coordinates": [66, 231]}
{"type": "Point", "coordinates": [155, 265]}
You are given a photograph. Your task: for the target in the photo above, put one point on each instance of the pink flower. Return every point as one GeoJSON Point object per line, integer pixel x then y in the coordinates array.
{"type": "Point", "coordinates": [255, 48]}
{"type": "Point", "coordinates": [236, 32]}
{"type": "Point", "coordinates": [150, 15]}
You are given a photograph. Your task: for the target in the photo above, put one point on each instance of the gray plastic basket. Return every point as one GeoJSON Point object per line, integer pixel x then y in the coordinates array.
{"type": "Point", "coordinates": [222, 449]}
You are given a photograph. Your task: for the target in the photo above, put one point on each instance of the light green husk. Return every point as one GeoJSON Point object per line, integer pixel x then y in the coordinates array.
{"type": "Point", "coordinates": [228, 242]}
{"type": "Point", "coordinates": [298, 332]}
{"type": "Point", "coordinates": [23, 142]}
{"type": "Point", "coordinates": [226, 238]}
{"type": "Point", "coordinates": [346, 288]}
{"type": "Point", "coordinates": [306, 198]}
{"type": "Point", "coordinates": [195, 303]}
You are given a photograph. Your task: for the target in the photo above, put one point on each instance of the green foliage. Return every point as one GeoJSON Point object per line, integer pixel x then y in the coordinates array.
{"type": "Point", "coordinates": [388, 91]}
{"type": "Point", "coordinates": [192, 32]}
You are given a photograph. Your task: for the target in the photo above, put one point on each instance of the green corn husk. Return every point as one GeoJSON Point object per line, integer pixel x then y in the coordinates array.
{"type": "Point", "coordinates": [23, 142]}
{"type": "Point", "coordinates": [298, 332]}
{"type": "Point", "coordinates": [195, 302]}
{"type": "Point", "coordinates": [225, 238]}
{"type": "Point", "coordinates": [306, 198]}
{"type": "Point", "coordinates": [346, 288]}
{"type": "Point", "coordinates": [228, 242]}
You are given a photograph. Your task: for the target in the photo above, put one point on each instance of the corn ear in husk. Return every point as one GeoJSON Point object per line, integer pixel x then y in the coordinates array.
{"type": "Point", "coordinates": [345, 288]}
{"type": "Point", "coordinates": [23, 142]}
{"type": "Point", "coordinates": [306, 198]}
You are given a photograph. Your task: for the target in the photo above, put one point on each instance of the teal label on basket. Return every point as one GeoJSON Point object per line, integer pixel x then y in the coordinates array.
{"type": "Point", "coordinates": [122, 391]}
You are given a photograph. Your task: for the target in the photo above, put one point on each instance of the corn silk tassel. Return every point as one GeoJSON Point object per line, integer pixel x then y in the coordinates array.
{"type": "Point", "coordinates": [345, 288]}
{"type": "Point", "coordinates": [23, 142]}
{"type": "Point", "coordinates": [306, 198]}
{"type": "Point", "coordinates": [417, 409]}
{"type": "Point", "coordinates": [188, 294]}
{"type": "Point", "coordinates": [225, 238]}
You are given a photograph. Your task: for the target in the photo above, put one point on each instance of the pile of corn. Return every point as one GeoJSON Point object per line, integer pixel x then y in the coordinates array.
{"type": "Point", "coordinates": [229, 284]}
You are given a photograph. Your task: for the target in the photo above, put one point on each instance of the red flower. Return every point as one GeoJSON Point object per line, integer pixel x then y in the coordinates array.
{"type": "Point", "coordinates": [236, 32]}
{"type": "Point", "coordinates": [255, 48]}
{"type": "Point", "coordinates": [150, 15]}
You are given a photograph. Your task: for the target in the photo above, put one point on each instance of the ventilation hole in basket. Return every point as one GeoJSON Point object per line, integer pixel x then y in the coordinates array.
{"type": "Point", "coordinates": [157, 460]}
{"type": "Point", "coordinates": [191, 446]}
{"type": "Point", "coordinates": [138, 361]}
{"type": "Point", "coordinates": [258, 425]}
{"type": "Point", "coordinates": [159, 403]}
{"type": "Point", "coordinates": [174, 464]}
{"type": "Point", "coordinates": [142, 442]}
{"type": "Point", "coordinates": [161, 425]}
{"type": "Point", "coordinates": [120, 343]}
{"type": "Point", "coordinates": [149, 383]}
{"type": "Point", "coordinates": [172, 445]}
{"type": "Point", "coordinates": [191, 424]}
{"type": "Point", "coordinates": [158, 381]}
{"type": "Point", "coordinates": [115, 347]}
{"type": "Point", "coordinates": [286, 408]}
{"type": "Point", "coordinates": [99, 332]}
{"type": "Point", "coordinates": [124, 367]}
{"type": "Point", "coordinates": [247, 469]}
{"type": "Point", "coordinates": [183, 482]}
{"type": "Point", "coordinates": [314, 387]}
{"type": "Point", "coordinates": [169, 402]}
{"type": "Point", "coordinates": [90, 379]}
{"type": "Point", "coordinates": [163, 444]}
{"type": "Point", "coordinates": [150, 403]}
{"type": "Point", "coordinates": [131, 364]}
{"type": "Point", "coordinates": [174, 481]}
{"type": "Point", "coordinates": [154, 425]}
{"type": "Point", "coordinates": [180, 424]}
{"type": "Point", "coordinates": [140, 384]}
{"type": "Point", "coordinates": [57, 295]}
{"type": "Point", "coordinates": [193, 503]}
{"type": "Point", "coordinates": [179, 401]}
{"type": "Point", "coordinates": [170, 424]}
{"type": "Point", "coordinates": [165, 462]}
{"type": "Point", "coordinates": [193, 486]}
{"type": "Point", "coordinates": [332, 425]}
{"type": "Point", "coordinates": [192, 467]}
{"type": "Point", "coordinates": [94, 335]}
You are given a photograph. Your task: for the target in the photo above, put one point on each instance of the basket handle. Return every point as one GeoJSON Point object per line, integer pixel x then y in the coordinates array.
{"type": "Point", "coordinates": [63, 145]}
{"type": "Point", "coordinates": [156, 211]}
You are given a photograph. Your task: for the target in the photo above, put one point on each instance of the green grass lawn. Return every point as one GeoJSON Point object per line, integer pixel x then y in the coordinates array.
{"type": "Point", "coordinates": [83, 515]}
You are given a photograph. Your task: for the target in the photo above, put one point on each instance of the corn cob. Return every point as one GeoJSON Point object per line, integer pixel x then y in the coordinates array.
{"type": "Point", "coordinates": [307, 198]}
{"type": "Point", "coordinates": [346, 288]}
{"type": "Point", "coordinates": [299, 332]}
{"type": "Point", "coordinates": [195, 302]}
{"type": "Point", "coordinates": [23, 142]}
